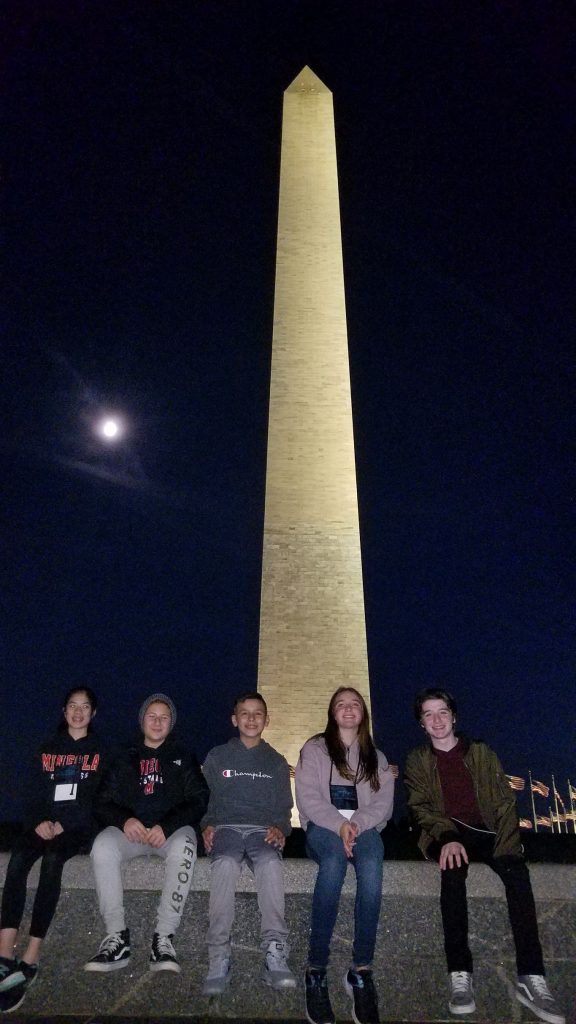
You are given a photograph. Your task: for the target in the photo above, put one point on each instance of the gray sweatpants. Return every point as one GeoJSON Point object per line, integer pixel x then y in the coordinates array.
{"type": "Point", "coordinates": [232, 846]}
{"type": "Point", "coordinates": [111, 847]}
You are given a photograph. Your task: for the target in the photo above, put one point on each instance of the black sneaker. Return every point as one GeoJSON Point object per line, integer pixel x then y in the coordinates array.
{"type": "Point", "coordinates": [163, 954]}
{"type": "Point", "coordinates": [113, 954]}
{"type": "Point", "coordinates": [318, 1008]}
{"type": "Point", "coordinates": [13, 997]}
{"type": "Point", "coordinates": [10, 973]}
{"type": "Point", "coordinates": [360, 987]}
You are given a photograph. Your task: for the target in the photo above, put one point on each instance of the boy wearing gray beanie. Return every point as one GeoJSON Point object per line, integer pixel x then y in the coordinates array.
{"type": "Point", "coordinates": [153, 797]}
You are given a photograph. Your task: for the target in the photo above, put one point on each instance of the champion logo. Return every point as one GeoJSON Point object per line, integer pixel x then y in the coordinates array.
{"type": "Point", "coordinates": [231, 773]}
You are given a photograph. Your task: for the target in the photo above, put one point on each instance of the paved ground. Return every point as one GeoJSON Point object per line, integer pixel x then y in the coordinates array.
{"type": "Point", "coordinates": [409, 964]}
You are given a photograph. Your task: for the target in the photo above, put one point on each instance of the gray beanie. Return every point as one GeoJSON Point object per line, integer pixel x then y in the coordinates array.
{"type": "Point", "coordinates": [151, 700]}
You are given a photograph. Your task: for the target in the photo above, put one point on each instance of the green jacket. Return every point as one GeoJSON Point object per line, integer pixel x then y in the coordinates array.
{"type": "Point", "coordinates": [495, 798]}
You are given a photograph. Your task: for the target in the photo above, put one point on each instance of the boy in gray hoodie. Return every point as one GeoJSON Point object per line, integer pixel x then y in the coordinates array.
{"type": "Point", "coordinates": [248, 819]}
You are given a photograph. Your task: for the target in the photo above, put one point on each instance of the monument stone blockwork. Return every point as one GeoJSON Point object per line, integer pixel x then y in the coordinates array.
{"type": "Point", "coordinates": [312, 622]}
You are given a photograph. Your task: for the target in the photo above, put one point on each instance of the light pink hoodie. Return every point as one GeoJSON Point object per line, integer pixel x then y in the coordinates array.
{"type": "Point", "coordinates": [313, 790]}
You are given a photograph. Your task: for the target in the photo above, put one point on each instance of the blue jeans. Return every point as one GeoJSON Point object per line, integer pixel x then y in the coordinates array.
{"type": "Point", "coordinates": [327, 849]}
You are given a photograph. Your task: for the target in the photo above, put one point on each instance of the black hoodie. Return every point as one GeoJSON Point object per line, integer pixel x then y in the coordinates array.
{"type": "Point", "coordinates": [158, 785]}
{"type": "Point", "coordinates": [69, 773]}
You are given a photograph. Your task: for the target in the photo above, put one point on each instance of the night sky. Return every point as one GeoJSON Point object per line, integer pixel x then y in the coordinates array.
{"type": "Point", "coordinates": [140, 166]}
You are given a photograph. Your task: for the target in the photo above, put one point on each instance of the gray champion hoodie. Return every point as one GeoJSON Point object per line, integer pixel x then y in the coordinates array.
{"type": "Point", "coordinates": [248, 786]}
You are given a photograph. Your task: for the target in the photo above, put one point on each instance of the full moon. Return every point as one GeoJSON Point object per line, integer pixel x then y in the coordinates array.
{"type": "Point", "coordinates": [110, 429]}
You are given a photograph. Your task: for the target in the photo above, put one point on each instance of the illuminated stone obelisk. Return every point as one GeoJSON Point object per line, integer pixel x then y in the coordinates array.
{"type": "Point", "coordinates": [312, 624]}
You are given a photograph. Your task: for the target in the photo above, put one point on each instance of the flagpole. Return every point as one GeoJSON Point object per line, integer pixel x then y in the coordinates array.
{"type": "Point", "coordinates": [555, 791]}
{"type": "Point", "coordinates": [570, 791]}
{"type": "Point", "coordinates": [532, 799]}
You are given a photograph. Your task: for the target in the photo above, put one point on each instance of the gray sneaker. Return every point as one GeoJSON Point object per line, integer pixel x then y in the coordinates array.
{"type": "Point", "coordinates": [218, 977]}
{"type": "Point", "coordinates": [533, 992]}
{"type": "Point", "coordinates": [461, 993]}
{"type": "Point", "coordinates": [276, 971]}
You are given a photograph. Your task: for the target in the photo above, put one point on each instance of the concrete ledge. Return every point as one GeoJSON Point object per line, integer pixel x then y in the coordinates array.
{"type": "Point", "coordinates": [409, 963]}
{"type": "Point", "coordinates": [401, 878]}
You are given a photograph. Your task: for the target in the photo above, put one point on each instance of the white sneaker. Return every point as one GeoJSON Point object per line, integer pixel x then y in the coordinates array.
{"type": "Point", "coordinates": [533, 992]}
{"type": "Point", "coordinates": [461, 993]}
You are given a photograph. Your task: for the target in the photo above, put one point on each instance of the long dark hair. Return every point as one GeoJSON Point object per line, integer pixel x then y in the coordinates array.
{"type": "Point", "coordinates": [90, 696]}
{"type": "Point", "coordinates": [368, 756]}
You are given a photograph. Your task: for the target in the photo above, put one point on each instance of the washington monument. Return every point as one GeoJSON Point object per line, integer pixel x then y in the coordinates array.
{"type": "Point", "coordinates": [312, 624]}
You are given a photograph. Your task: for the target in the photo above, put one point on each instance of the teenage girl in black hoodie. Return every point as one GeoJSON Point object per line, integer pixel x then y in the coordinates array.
{"type": "Point", "coordinates": [59, 825]}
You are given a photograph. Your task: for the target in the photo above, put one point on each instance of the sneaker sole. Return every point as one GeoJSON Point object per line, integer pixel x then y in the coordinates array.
{"type": "Point", "coordinates": [25, 985]}
{"type": "Point", "coordinates": [551, 1018]}
{"type": "Point", "coordinates": [311, 1019]}
{"type": "Point", "coordinates": [350, 992]}
{"type": "Point", "coordinates": [11, 1009]}
{"type": "Point", "coordinates": [279, 986]}
{"type": "Point", "coordinates": [461, 1011]}
{"type": "Point", "coordinates": [218, 986]}
{"type": "Point", "coordinates": [105, 968]}
{"type": "Point", "coordinates": [210, 990]}
{"type": "Point", "coordinates": [164, 966]}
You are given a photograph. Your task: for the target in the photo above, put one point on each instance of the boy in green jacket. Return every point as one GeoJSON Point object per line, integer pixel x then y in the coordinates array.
{"type": "Point", "coordinates": [461, 800]}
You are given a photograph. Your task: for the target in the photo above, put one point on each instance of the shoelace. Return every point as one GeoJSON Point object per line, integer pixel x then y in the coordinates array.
{"type": "Point", "coordinates": [111, 944]}
{"type": "Point", "coordinates": [460, 981]}
{"type": "Point", "coordinates": [276, 959]}
{"type": "Point", "coordinates": [538, 982]}
{"type": "Point", "coordinates": [165, 947]}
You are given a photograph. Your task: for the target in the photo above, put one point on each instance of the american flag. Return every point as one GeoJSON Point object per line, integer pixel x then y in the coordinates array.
{"type": "Point", "coordinates": [540, 787]}
{"type": "Point", "coordinates": [515, 782]}
{"type": "Point", "coordinates": [541, 820]}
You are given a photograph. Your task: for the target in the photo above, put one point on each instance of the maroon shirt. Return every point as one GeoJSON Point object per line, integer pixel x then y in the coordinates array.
{"type": "Point", "coordinates": [457, 786]}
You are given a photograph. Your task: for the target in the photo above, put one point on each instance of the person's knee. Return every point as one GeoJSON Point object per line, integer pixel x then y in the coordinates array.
{"type": "Point", "coordinates": [453, 878]}
{"type": "Point", "coordinates": [514, 873]}
{"type": "Point", "coordinates": [269, 868]}
{"type": "Point", "coordinates": [16, 866]}
{"type": "Point", "coordinates": [105, 848]}
{"type": "Point", "coordinates": [223, 866]}
{"type": "Point", "coordinates": [52, 864]}
{"type": "Point", "coordinates": [333, 867]}
{"type": "Point", "coordinates": [369, 871]}
{"type": "Point", "coordinates": [182, 848]}
{"type": "Point", "coordinates": [267, 856]}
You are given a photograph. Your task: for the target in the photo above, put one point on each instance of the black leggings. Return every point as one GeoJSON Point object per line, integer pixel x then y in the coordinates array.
{"type": "Point", "coordinates": [521, 909]}
{"type": "Point", "coordinates": [54, 853]}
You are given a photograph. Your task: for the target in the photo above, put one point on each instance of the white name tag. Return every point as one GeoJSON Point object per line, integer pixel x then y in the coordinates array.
{"type": "Point", "coordinates": [66, 791]}
{"type": "Point", "coordinates": [345, 814]}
